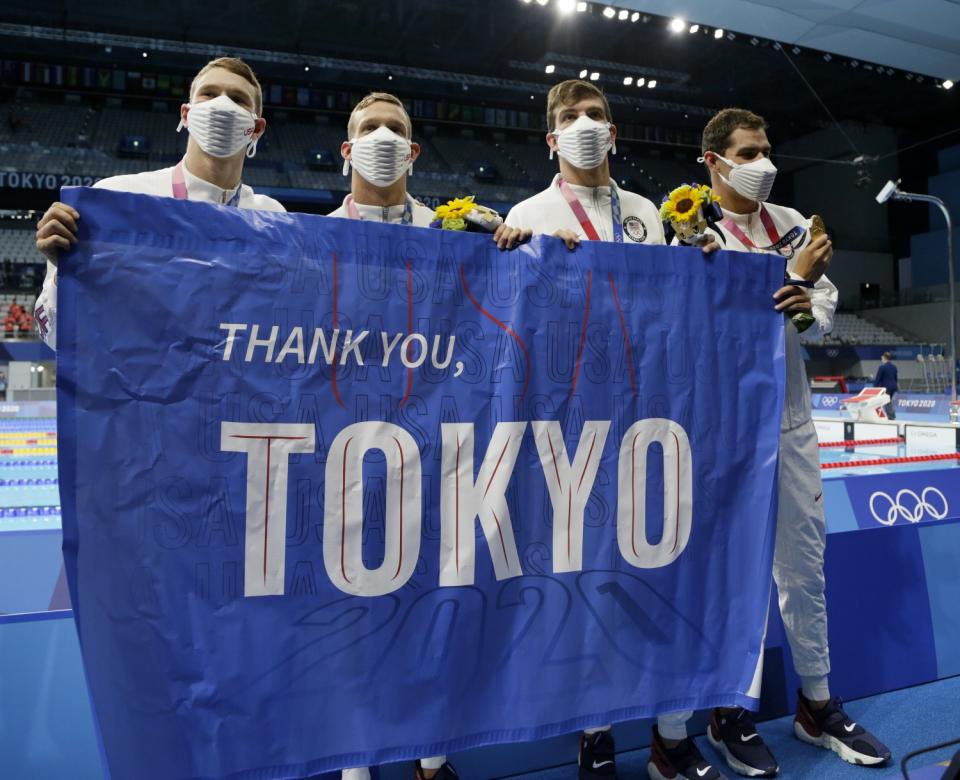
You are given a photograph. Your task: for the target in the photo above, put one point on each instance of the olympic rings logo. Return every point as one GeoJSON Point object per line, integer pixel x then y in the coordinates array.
{"type": "Point", "coordinates": [915, 508]}
{"type": "Point", "coordinates": [829, 400]}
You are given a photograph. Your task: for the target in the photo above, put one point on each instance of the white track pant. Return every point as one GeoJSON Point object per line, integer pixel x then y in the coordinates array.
{"type": "Point", "coordinates": [362, 773]}
{"type": "Point", "coordinates": [798, 555]}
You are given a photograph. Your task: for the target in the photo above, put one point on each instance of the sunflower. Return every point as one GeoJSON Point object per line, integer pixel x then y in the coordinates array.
{"type": "Point", "coordinates": [682, 204]}
{"type": "Point", "coordinates": [708, 195]}
{"type": "Point", "coordinates": [456, 209]}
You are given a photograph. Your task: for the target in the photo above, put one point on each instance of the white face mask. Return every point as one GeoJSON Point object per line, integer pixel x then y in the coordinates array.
{"type": "Point", "coordinates": [221, 127]}
{"type": "Point", "coordinates": [585, 143]}
{"type": "Point", "coordinates": [754, 180]}
{"type": "Point", "coordinates": [380, 157]}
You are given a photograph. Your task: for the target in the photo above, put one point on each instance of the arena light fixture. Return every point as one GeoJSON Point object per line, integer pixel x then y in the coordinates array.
{"type": "Point", "coordinates": [623, 15]}
{"type": "Point", "coordinates": [550, 69]}
{"type": "Point", "coordinates": [627, 81]}
{"type": "Point", "coordinates": [947, 84]}
{"type": "Point", "coordinates": [609, 12]}
{"type": "Point", "coordinates": [891, 190]}
{"type": "Point", "coordinates": [827, 57]}
{"type": "Point", "coordinates": [641, 81]}
{"type": "Point", "coordinates": [795, 50]}
{"type": "Point", "coordinates": [754, 41]}
{"type": "Point", "coordinates": [581, 7]}
{"type": "Point", "coordinates": [542, 2]}
{"type": "Point", "coordinates": [145, 55]}
{"type": "Point", "coordinates": [583, 73]}
{"type": "Point", "coordinates": [694, 28]}
{"type": "Point", "coordinates": [677, 25]}
{"type": "Point", "coordinates": [306, 68]}
{"type": "Point", "coordinates": [718, 33]}
{"type": "Point", "coordinates": [652, 83]}
{"type": "Point", "coordinates": [566, 6]}
{"type": "Point", "coordinates": [635, 16]}
{"type": "Point", "coordinates": [594, 76]}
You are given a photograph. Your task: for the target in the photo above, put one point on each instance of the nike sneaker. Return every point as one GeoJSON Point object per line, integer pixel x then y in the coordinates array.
{"type": "Point", "coordinates": [446, 772]}
{"type": "Point", "coordinates": [597, 758]}
{"type": "Point", "coordinates": [734, 735]}
{"type": "Point", "coordinates": [831, 728]}
{"type": "Point", "coordinates": [684, 760]}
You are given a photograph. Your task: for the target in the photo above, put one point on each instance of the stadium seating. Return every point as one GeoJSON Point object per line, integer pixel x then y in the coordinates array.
{"type": "Point", "coordinates": [853, 329]}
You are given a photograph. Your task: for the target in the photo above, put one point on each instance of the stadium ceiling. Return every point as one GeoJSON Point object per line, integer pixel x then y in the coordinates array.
{"type": "Point", "coordinates": [923, 37]}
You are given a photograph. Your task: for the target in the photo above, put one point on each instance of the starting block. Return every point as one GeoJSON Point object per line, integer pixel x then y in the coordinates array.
{"type": "Point", "coordinates": [866, 406]}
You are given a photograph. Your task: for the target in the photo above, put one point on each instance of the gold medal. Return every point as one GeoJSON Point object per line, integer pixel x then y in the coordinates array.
{"type": "Point", "coordinates": [817, 227]}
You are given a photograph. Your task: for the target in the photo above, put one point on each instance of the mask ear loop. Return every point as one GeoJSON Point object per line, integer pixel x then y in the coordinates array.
{"type": "Point", "coordinates": [252, 148]}
{"type": "Point", "coordinates": [346, 163]}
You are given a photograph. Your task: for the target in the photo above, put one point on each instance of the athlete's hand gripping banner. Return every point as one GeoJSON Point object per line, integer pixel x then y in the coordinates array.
{"type": "Point", "coordinates": [339, 493]}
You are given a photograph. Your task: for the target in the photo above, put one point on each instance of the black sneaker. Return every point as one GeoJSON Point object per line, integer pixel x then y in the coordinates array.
{"type": "Point", "coordinates": [446, 772]}
{"type": "Point", "coordinates": [684, 760]}
{"type": "Point", "coordinates": [736, 738]}
{"type": "Point", "coordinates": [597, 758]}
{"type": "Point", "coordinates": [831, 728]}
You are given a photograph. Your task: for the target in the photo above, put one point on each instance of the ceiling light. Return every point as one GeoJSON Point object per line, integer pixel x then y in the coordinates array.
{"type": "Point", "coordinates": [827, 58]}
{"type": "Point", "coordinates": [566, 6]}
{"type": "Point", "coordinates": [641, 81]}
{"type": "Point", "coordinates": [594, 76]}
{"type": "Point", "coordinates": [754, 41]}
{"type": "Point", "coordinates": [609, 12]}
{"type": "Point", "coordinates": [627, 81]}
{"type": "Point", "coordinates": [583, 73]}
{"type": "Point", "coordinates": [550, 69]}
{"type": "Point", "coordinates": [948, 84]}
{"type": "Point", "coordinates": [581, 7]}
{"type": "Point", "coordinates": [718, 33]}
{"type": "Point", "coordinates": [652, 83]}
{"type": "Point", "coordinates": [677, 25]}
{"type": "Point", "coordinates": [542, 2]}
{"type": "Point", "coordinates": [694, 28]}
{"type": "Point", "coordinates": [623, 15]}
{"type": "Point", "coordinates": [795, 50]}
{"type": "Point", "coordinates": [635, 16]}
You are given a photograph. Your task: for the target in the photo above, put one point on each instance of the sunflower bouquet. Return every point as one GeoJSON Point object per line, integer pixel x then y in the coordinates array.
{"type": "Point", "coordinates": [465, 214]}
{"type": "Point", "coordinates": [689, 209]}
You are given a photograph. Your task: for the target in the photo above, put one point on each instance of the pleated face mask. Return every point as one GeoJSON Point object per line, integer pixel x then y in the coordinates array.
{"type": "Point", "coordinates": [221, 127]}
{"type": "Point", "coordinates": [584, 143]}
{"type": "Point", "coordinates": [754, 180]}
{"type": "Point", "coordinates": [380, 157]}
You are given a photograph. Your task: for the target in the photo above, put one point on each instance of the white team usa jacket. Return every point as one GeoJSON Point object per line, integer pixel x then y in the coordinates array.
{"type": "Point", "coordinates": [823, 297]}
{"type": "Point", "coordinates": [147, 183]}
{"type": "Point", "coordinates": [548, 211]}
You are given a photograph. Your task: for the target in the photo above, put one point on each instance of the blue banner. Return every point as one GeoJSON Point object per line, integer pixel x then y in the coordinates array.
{"type": "Point", "coordinates": [339, 493]}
